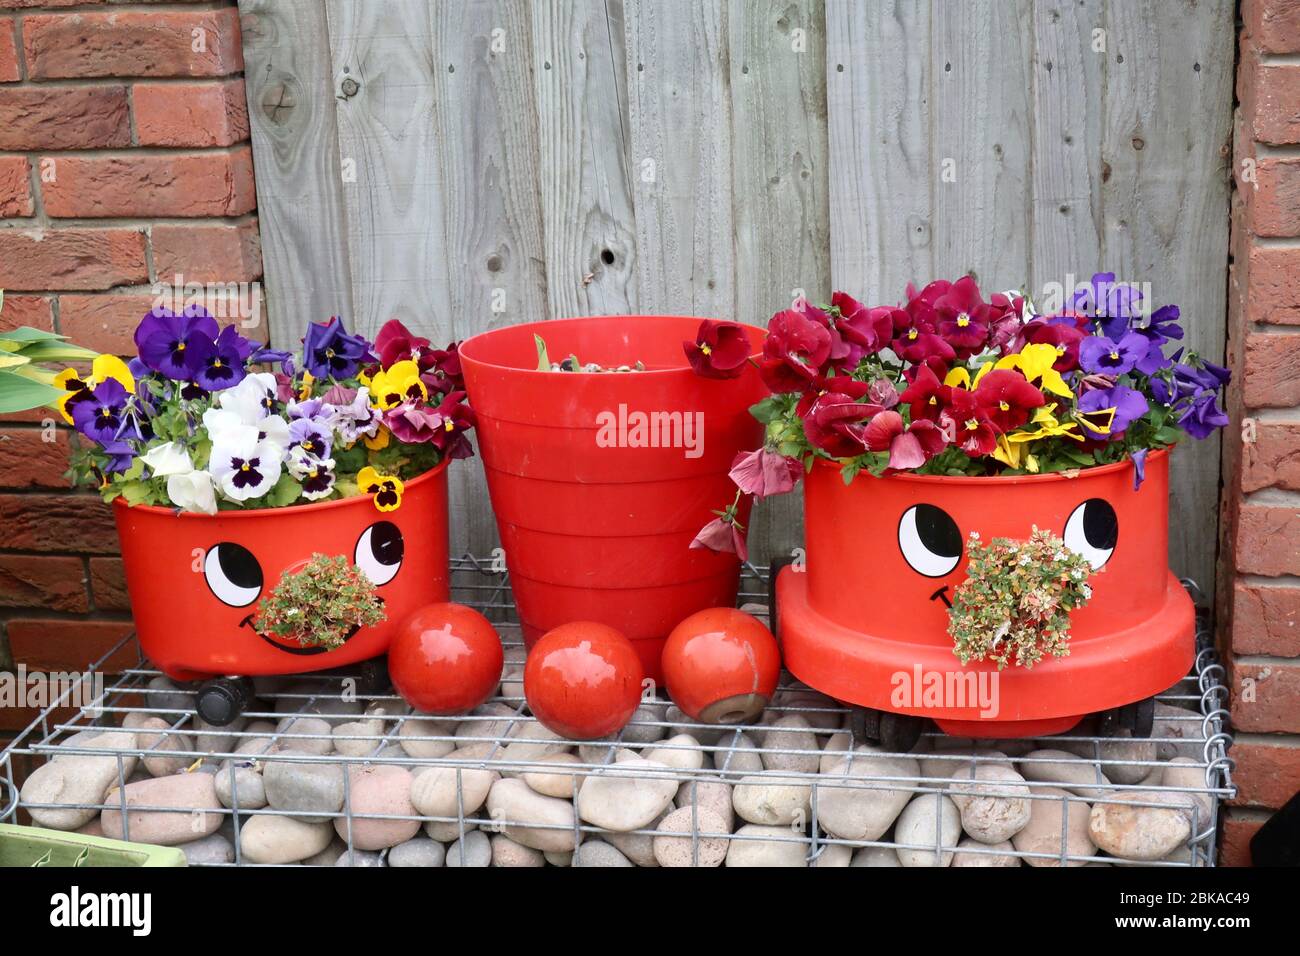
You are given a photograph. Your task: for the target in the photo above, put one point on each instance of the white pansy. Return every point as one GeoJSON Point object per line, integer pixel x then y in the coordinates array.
{"type": "Point", "coordinates": [169, 458]}
{"type": "Point", "coordinates": [251, 399]}
{"type": "Point", "coordinates": [193, 491]}
{"type": "Point", "coordinates": [243, 465]}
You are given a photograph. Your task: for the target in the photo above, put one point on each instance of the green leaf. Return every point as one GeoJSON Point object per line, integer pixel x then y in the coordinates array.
{"type": "Point", "coordinates": [11, 359]}
{"type": "Point", "coordinates": [543, 362]}
{"type": "Point", "coordinates": [25, 333]}
{"type": "Point", "coordinates": [285, 492]}
{"type": "Point", "coordinates": [18, 394]}
{"type": "Point", "coordinates": [767, 410]}
{"type": "Point", "coordinates": [135, 492]}
{"type": "Point", "coordinates": [55, 351]}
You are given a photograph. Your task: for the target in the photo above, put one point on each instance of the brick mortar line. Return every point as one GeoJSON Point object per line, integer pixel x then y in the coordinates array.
{"type": "Point", "coordinates": [120, 222]}
{"type": "Point", "coordinates": [1272, 497]}
{"type": "Point", "coordinates": [1266, 660]}
{"type": "Point", "coordinates": [1283, 582]}
{"type": "Point", "coordinates": [129, 152]}
{"type": "Point", "coordinates": [1274, 242]}
{"type": "Point", "coordinates": [1265, 150]}
{"type": "Point", "coordinates": [112, 82]}
{"type": "Point", "coordinates": [200, 6]}
{"type": "Point", "coordinates": [1286, 740]}
{"type": "Point", "coordinates": [1272, 328]}
{"type": "Point", "coordinates": [70, 617]}
{"type": "Point", "coordinates": [1277, 59]}
{"type": "Point", "coordinates": [1275, 416]}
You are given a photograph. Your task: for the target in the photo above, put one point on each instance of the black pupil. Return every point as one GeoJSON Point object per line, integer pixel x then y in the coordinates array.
{"type": "Point", "coordinates": [386, 543]}
{"type": "Point", "coordinates": [239, 566]}
{"type": "Point", "coordinates": [1100, 526]}
{"type": "Point", "coordinates": [937, 531]}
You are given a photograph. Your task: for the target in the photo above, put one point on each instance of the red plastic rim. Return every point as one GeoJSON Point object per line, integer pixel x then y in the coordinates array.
{"type": "Point", "coordinates": [1006, 479]}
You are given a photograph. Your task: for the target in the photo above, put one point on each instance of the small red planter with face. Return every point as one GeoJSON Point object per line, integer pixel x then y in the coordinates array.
{"type": "Point", "coordinates": [866, 620]}
{"type": "Point", "coordinates": [721, 666]}
{"type": "Point", "coordinates": [583, 680]}
{"type": "Point", "coordinates": [195, 580]}
{"type": "Point", "coordinates": [445, 659]}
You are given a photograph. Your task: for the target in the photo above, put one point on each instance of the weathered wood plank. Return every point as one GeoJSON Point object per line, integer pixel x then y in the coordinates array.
{"type": "Point", "coordinates": [487, 125]}
{"type": "Point", "coordinates": [777, 52]}
{"type": "Point", "coordinates": [1166, 148]}
{"type": "Point", "coordinates": [680, 133]}
{"type": "Point", "coordinates": [878, 104]}
{"type": "Point", "coordinates": [980, 162]}
{"type": "Point", "coordinates": [382, 60]}
{"type": "Point", "coordinates": [295, 146]}
{"type": "Point", "coordinates": [586, 196]}
{"type": "Point", "coordinates": [1068, 67]}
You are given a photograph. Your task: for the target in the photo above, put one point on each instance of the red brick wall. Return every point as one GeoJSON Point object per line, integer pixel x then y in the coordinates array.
{"type": "Point", "coordinates": [1259, 575]}
{"type": "Point", "coordinates": [124, 162]}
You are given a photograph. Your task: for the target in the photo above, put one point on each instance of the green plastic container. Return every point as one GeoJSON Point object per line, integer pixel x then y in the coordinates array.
{"type": "Point", "coordinates": [33, 846]}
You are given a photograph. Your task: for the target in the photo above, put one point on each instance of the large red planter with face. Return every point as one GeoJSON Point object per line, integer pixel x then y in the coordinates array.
{"type": "Point", "coordinates": [866, 622]}
{"type": "Point", "coordinates": [596, 525]}
{"type": "Point", "coordinates": [195, 580]}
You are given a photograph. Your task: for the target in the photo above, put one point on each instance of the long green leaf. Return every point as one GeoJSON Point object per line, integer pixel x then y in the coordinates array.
{"type": "Point", "coordinates": [57, 352]}
{"type": "Point", "coordinates": [25, 333]}
{"type": "Point", "coordinates": [9, 360]}
{"type": "Point", "coordinates": [18, 394]}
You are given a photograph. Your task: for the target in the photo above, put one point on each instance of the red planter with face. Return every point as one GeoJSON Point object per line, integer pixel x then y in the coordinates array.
{"type": "Point", "coordinates": [600, 481]}
{"type": "Point", "coordinates": [195, 580]}
{"type": "Point", "coordinates": [866, 621]}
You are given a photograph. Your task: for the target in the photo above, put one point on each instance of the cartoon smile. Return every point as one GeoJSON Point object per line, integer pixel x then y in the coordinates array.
{"type": "Point", "coordinates": [248, 623]}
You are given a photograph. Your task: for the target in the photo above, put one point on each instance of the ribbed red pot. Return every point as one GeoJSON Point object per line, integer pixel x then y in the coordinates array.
{"type": "Point", "coordinates": [596, 516]}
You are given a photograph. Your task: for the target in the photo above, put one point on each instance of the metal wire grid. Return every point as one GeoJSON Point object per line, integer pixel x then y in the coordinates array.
{"type": "Point", "coordinates": [499, 724]}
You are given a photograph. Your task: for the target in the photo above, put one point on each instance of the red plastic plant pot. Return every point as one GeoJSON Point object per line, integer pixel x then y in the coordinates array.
{"type": "Point", "coordinates": [195, 580]}
{"type": "Point", "coordinates": [597, 513]}
{"type": "Point", "coordinates": [866, 621]}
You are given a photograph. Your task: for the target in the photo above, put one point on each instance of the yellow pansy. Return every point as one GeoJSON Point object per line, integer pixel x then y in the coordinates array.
{"type": "Point", "coordinates": [387, 489]}
{"type": "Point", "coordinates": [308, 381]}
{"type": "Point", "coordinates": [959, 377]}
{"type": "Point", "coordinates": [396, 384]}
{"type": "Point", "coordinates": [377, 441]}
{"type": "Point", "coordinates": [102, 369]}
{"type": "Point", "coordinates": [1035, 363]}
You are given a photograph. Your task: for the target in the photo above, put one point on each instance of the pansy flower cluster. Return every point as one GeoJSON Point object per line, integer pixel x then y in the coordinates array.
{"type": "Point", "coordinates": [953, 383]}
{"type": "Point", "coordinates": [204, 419]}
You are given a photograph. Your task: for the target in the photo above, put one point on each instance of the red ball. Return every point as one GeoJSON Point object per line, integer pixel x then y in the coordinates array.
{"type": "Point", "coordinates": [445, 659]}
{"type": "Point", "coordinates": [721, 666]}
{"type": "Point", "coordinates": [583, 680]}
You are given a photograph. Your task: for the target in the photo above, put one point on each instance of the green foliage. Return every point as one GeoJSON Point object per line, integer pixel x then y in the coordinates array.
{"type": "Point", "coordinates": [1015, 603]}
{"type": "Point", "coordinates": [321, 604]}
{"type": "Point", "coordinates": [24, 384]}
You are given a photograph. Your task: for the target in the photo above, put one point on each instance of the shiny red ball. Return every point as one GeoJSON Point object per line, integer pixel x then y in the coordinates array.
{"type": "Point", "coordinates": [445, 659]}
{"type": "Point", "coordinates": [721, 666]}
{"type": "Point", "coordinates": [583, 680]}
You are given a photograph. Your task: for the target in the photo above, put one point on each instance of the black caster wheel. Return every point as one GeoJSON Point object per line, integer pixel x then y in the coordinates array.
{"type": "Point", "coordinates": [899, 733]}
{"type": "Point", "coordinates": [1139, 716]}
{"type": "Point", "coordinates": [1110, 722]}
{"type": "Point", "coordinates": [864, 724]}
{"type": "Point", "coordinates": [373, 680]}
{"type": "Point", "coordinates": [221, 700]}
{"type": "Point", "coordinates": [772, 572]}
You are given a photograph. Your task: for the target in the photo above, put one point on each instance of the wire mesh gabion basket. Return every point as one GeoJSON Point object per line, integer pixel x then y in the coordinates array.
{"type": "Point", "coordinates": [322, 770]}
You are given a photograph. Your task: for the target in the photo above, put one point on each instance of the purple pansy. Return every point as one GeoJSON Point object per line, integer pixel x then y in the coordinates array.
{"type": "Point", "coordinates": [1127, 404]}
{"type": "Point", "coordinates": [100, 416]}
{"type": "Point", "coordinates": [1102, 354]}
{"type": "Point", "coordinates": [1139, 467]}
{"type": "Point", "coordinates": [166, 340]}
{"type": "Point", "coordinates": [1203, 416]}
{"type": "Point", "coordinates": [219, 364]}
{"type": "Point", "coordinates": [329, 351]}
{"type": "Point", "coordinates": [312, 435]}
